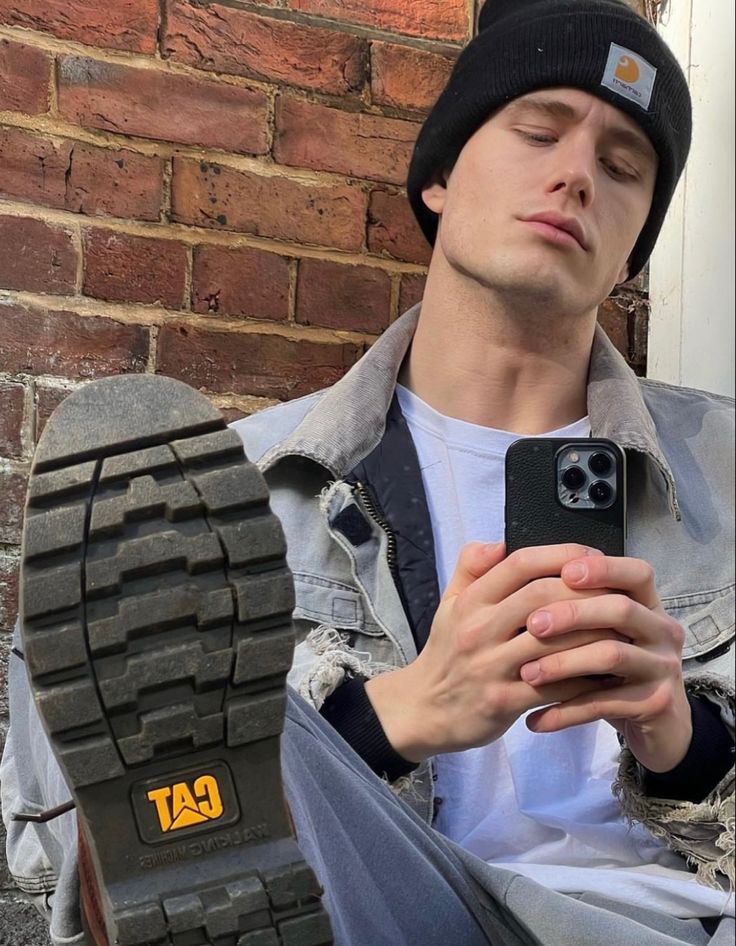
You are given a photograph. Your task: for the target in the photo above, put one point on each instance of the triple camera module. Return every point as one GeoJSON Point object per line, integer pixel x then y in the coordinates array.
{"type": "Point", "coordinates": [586, 477]}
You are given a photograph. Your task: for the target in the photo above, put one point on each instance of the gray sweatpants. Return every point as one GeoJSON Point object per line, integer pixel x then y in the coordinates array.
{"type": "Point", "coordinates": [390, 879]}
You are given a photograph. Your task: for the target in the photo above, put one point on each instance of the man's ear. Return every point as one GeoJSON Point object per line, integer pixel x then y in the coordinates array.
{"type": "Point", "coordinates": [434, 195]}
{"type": "Point", "coordinates": [623, 274]}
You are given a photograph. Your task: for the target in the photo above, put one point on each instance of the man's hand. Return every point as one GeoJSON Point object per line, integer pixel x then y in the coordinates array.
{"type": "Point", "coordinates": [465, 688]}
{"type": "Point", "coordinates": [647, 702]}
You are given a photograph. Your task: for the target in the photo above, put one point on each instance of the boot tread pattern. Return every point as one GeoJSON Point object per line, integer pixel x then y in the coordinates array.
{"type": "Point", "coordinates": [156, 611]}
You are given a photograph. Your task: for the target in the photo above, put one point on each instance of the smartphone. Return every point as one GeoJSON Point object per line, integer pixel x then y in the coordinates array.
{"type": "Point", "coordinates": [561, 490]}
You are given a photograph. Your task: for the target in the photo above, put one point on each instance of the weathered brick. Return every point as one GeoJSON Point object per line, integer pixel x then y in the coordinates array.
{"type": "Point", "coordinates": [153, 104]}
{"type": "Point", "coordinates": [124, 24]}
{"type": "Point", "coordinates": [212, 37]}
{"type": "Point", "coordinates": [36, 256]}
{"type": "Point", "coordinates": [613, 316]}
{"type": "Point", "coordinates": [12, 401]}
{"type": "Point", "coordinates": [72, 176]}
{"type": "Point", "coordinates": [411, 290]}
{"type": "Point", "coordinates": [211, 195]}
{"type": "Point", "coordinates": [241, 281]}
{"type": "Point", "coordinates": [246, 363]}
{"type": "Point", "coordinates": [42, 341]}
{"type": "Point", "coordinates": [25, 73]}
{"type": "Point", "coordinates": [231, 414]}
{"type": "Point", "coordinates": [356, 298]}
{"type": "Point", "coordinates": [405, 77]}
{"type": "Point", "coordinates": [12, 499]}
{"type": "Point", "coordinates": [394, 231]}
{"type": "Point", "coordinates": [8, 591]}
{"type": "Point", "coordinates": [115, 183]}
{"type": "Point", "coordinates": [328, 139]}
{"type": "Point", "coordinates": [127, 268]}
{"type": "Point", "coordinates": [430, 19]}
{"type": "Point", "coordinates": [47, 400]}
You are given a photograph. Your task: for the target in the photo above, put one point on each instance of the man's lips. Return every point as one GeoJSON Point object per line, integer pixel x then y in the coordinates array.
{"type": "Point", "coordinates": [563, 230]}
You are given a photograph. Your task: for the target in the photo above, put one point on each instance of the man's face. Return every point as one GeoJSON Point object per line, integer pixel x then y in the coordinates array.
{"type": "Point", "coordinates": [560, 154]}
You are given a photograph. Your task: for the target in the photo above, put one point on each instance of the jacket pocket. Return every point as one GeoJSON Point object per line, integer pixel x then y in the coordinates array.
{"type": "Point", "coordinates": [708, 619]}
{"type": "Point", "coordinates": [325, 601]}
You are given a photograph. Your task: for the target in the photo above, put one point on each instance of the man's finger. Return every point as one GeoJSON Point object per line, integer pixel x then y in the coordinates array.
{"type": "Point", "coordinates": [631, 575]}
{"type": "Point", "coordinates": [618, 611]}
{"type": "Point", "coordinates": [614, 703]}
{"type": "Point", "coordinates": [524, 566]}
{"type": "Point", "coordinates": [474, 561]}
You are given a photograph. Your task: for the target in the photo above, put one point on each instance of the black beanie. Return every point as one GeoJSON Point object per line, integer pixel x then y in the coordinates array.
{"type": "Point", "coordinates": [600, 46]}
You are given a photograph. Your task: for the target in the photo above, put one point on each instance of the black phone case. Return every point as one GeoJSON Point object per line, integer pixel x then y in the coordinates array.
{"type": "Point", "coordinates": [534, 513]}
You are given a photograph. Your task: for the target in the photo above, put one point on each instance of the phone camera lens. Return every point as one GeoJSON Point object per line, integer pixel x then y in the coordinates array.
{"type": "Point", "coordinates": [573, 477]}
{"type": "Point", "coordinates": [601, 464]}
{"type": "Point", "coordinates": [600, 493]}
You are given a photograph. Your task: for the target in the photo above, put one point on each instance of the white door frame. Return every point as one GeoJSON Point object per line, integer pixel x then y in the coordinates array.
{"type": "Point", "coordinates": [691, 328]}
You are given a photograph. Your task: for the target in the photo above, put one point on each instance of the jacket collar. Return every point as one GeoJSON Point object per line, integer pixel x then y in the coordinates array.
{"type": "Point", "coordinates": [361, 399]}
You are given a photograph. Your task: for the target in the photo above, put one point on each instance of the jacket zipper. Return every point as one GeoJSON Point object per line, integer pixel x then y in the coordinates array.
{"type": "Point", "coordinates": [370, 506]}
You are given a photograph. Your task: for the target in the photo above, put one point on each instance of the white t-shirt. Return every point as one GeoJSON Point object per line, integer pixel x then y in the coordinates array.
{"type": "Point", "coordinates": [538, 804]}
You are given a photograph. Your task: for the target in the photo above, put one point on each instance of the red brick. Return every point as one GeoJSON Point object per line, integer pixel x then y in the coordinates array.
{"type": "Point", "coordinates": [411, 290]}
{"type": "Point", "coordinates": [12, 499]}
{"type": "Point", "coordinates": [40, 258]}
{"type": "Point", "coordinates": [47, 400]}
{"type": "Point", "coordinates": [114, 183]}
{"type": "Point", "coordinates": [355, 298]}
{"type": "Point", "coordinates": [210, 195]}
{"type": "Point", "coordinates": [241, 281]}
{"type": "Point", "coordinates": [405, 77]}
{"type": "Point", "coordinates": [124, 24]}
{"type": "Point", "coordinates": [12, 401]}
{"type": "Point", "coordinates": [231, 414]}
{"type": "Point", "coordinates": [8, 591]}
{"type": "Point", "coordinates": [430, 19]}
{"type": "Point", "coordinates": [72, 176]}
{"type": "Point", "coordinates": [394, 231]}
{"type": "Point", "coordinates": [42, 341]}
{"type": "Point", "coordinates": [25, 73]}
{"type": "Point", "coordinates": [153, 104]}
{"type": "Point", "coordinates": [134, 269]}
{"type": "Point", "coordinates": [613, 317]}
{"type": "Point", "coordinates": [212, 37]}
{"type": "Point", "coordinates": [239, 363]}
{"type": "Point", "coordinates": [353, 143]}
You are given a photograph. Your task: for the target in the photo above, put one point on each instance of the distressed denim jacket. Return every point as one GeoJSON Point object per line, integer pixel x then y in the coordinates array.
{"type": "Point", "coordinates": [349, 614]}
{"type": "Point", "coordinates": [679, 445]}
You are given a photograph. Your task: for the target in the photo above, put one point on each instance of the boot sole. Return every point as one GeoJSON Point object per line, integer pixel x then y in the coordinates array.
{"type": "Point", "coordinates": [156, 612]}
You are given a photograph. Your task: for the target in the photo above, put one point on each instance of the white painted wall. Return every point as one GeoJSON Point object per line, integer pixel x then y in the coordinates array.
{"type": "Point", "coordinates": [691, 332]}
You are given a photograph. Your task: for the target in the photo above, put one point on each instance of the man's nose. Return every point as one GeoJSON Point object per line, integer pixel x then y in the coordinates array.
{"type": "Point", "coordinates": [574, 170]}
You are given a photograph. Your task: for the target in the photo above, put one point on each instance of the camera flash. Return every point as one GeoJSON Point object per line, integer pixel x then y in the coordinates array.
{"type": "Point", "coordinates": [573, 457]}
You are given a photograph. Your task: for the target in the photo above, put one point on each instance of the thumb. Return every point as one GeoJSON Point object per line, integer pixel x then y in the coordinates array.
{"type": "Point", "coordinates": [475, 559]}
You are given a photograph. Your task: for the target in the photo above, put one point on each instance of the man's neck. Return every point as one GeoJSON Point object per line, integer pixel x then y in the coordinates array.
{"type": "Point", "coordinates": [477, 358]}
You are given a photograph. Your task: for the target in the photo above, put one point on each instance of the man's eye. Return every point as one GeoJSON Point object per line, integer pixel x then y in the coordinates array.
{"type": "Point", "coordinates": [619, 171]}
{"type": "Point", "coordinates": [538, 137]}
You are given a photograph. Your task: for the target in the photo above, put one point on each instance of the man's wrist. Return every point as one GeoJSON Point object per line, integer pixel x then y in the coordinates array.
{"type": "Point", "coordinates": [664, 746]}
{"type": "Point", "coordinates": [393, 699]}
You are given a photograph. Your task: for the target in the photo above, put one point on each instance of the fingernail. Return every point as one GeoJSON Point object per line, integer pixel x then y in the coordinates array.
{"type": "Point", "coordinates": [530, 672]}
{"type": "Point", "coordinates": [540, 622]}
{"type": "Point", "coordinates": [576, 571]}
{"type": "Point", "coordinates": [591, 551]}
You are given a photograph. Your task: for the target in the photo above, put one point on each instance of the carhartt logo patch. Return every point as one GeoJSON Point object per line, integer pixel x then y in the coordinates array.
{"type": "Point", "coordinates": [185, 803]}
{"type": "Point", "coordinates": [629, 75]}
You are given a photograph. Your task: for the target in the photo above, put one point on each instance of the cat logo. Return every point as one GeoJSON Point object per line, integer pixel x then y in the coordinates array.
{"type": "Point", "coordinates": [183, 804]}
{"type": "Point", "coordinates": [627, 70]}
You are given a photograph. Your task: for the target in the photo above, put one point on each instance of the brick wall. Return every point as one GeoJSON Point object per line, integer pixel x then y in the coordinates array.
{"type": "Point", "coordinates": [211, 191]}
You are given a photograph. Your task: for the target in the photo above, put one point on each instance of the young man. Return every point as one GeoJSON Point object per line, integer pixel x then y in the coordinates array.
{"type": "Point", "coordinates": [518, 762]}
